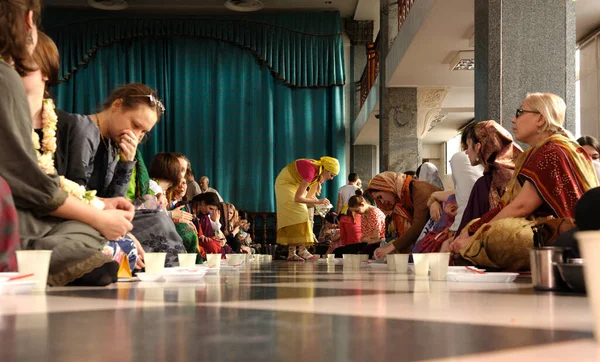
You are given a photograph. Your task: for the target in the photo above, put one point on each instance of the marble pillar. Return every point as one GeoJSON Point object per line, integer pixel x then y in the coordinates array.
{"type": "Point", "coordinates": [360, 33]}
{"type": "Point", "coordinates": [365, 160]}
{"type": "Point", "coordinates": [400, 148]}
{"type": "Point", "coordinates": [384, 111]}
{"type": "Point", "coordinates": [359, 59]}
{"type": "Point", "coordinates": [523, 47]}
{"type": "Point", "coordinates": [392, 23]}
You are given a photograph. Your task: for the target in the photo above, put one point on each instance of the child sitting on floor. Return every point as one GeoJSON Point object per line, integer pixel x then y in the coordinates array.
{"type": "Point", "coordinates": [164, 172]}
{"type": "Point", "coordinates": [330, 231]}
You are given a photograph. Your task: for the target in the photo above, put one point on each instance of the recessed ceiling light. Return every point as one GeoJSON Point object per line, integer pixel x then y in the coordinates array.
{"type": "Point", "coordinates": [464, 60]}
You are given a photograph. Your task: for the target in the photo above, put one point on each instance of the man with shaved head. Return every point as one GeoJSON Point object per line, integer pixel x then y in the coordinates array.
{"type": "Point", "coordinates": [204, 187]}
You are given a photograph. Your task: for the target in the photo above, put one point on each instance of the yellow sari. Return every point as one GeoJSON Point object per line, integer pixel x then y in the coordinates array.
{"type": "Point", "coordinates": [293, 225]}
{"type": "Point", "coordinates": [561, 172]}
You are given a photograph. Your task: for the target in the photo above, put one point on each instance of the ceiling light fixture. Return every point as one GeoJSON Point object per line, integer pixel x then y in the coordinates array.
{"type": "Point", "coordinates": [244, 5]}
{"type": "Point", "coordinates": [464, 60]}
{"type": "Point", "coordinates": [108, 4]}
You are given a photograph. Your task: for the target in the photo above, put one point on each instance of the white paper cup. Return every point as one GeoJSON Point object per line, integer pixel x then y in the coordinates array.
{"type": "Point", "coordinates": [234, 259]}
{"type": "Point", "coordinates": [364, 257]}
{"type": "Point", "coordinates": [36, 262]}
{"type": "Point", "coordinates": [421, 264]}
{"type": "Point", "coordinates": [589, 244]}
{"type": "Point", "coordinates": [356, 259]}
{"type": "Point", "coordinates": [269, 258]}
{"type": "Point", "coordinates": [391, 262]}
{"type": "Point", "coordinates": [330, 257]}
{"type": "Point", "coordinates": [438, 264]}
{"type": "Point", "coordinates": [155, 262]}
{"type": "Point", "coordinates": [400, 263]}
{"type": "Point", "coordinates": [213, 260]}
{"type": "Point", "coordinates": [187, 260]}
{"type": "Point", "coordinates": [347, 259]}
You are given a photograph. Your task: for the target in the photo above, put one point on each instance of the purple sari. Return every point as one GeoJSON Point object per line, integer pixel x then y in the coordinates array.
{"type": "Point", "coordinates": [479, 201]}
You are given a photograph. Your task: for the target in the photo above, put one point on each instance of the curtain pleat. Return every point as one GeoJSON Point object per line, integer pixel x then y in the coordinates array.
{"type": "Point", "coordinates": [302, 50]}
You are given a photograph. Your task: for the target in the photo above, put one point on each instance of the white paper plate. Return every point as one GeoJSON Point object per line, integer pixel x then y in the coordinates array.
{"type": "Point", "coordinates": [482, 278]}
{"type": "Point", "coordinates": [463, 269]}
{"type": "Point", "coordinates": [5, 276]}
{"type": "Point", "coordinates": [17, 287]}
{"type": "Point", "coordinates": [149, 277]}
{"type": "Point", "coordinates": [183, 274]}
{"type": "Point", "coordinates": [229, 268]}
{"type": "Point", "coordinates": [178, 269]}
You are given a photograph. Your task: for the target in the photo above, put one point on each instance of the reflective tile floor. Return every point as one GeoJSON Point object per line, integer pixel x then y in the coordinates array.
{"type": "Point", "coordinates": [298, 312]}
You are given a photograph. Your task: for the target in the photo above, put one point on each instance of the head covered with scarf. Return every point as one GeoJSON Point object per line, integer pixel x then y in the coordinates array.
{"type": "Point", "coordinates": [328, 163]}
{"type": "Point", "coordinates": [498, 154]}
{"type": "Point", "coordinates": [429, 172]}
{"type": "Point", "coordinates": [399, 185]}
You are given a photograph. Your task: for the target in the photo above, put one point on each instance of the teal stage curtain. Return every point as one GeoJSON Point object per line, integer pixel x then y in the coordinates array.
{"type": "Point", "coordinates": [237, 119]}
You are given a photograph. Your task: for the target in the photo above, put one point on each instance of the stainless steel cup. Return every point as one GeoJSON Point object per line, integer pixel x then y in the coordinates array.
{"type": "Point", "coordinates": [544, 272]}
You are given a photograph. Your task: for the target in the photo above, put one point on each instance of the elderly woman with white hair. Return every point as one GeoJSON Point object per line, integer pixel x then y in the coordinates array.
{"type": "Point", "coordinates": [549, 178]}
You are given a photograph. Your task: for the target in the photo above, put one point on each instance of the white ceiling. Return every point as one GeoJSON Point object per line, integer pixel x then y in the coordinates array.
{"type": "Point", "coordinates": [587, 13]}
{"type": "Point", "coordinates": [369, 133]}
{"type": "Point", "coordinates": [446, 30]}
{"type": "Point", "coordinates": [345, 7]}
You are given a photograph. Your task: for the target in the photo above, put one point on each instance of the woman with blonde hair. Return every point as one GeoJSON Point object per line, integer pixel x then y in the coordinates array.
{"type": "Point", "coordinates": [293, 225]}
{"type": "Point", "coordinates": [548, 180]}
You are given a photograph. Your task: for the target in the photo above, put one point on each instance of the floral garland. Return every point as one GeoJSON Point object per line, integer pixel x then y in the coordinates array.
{"type": "Point", "coordinates": [46, 157]}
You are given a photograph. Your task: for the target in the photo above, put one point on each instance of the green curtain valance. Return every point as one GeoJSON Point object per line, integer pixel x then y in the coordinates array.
{"type": "Point", "coordinates": [302, 50]}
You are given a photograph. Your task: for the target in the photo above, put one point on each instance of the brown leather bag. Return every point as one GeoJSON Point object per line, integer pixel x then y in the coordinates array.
{"type": "Point", "coordinates": [547, 230]}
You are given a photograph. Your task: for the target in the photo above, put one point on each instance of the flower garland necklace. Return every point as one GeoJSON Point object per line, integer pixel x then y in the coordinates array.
{"type": "Point", "coordinates": [46, 156]}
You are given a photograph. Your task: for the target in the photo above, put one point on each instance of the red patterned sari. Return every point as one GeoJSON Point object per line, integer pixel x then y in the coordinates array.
{"type": "Point", "coordinates": [561, 171]}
